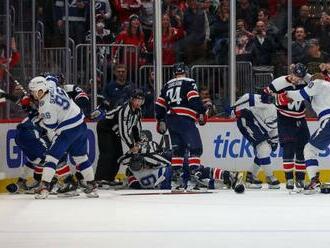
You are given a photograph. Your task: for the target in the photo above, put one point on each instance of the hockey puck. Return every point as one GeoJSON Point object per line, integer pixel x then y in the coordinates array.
{"type": "Point", "coordinates": [239, 189]}
{"type": "Point", "coordinates": [12, 188]}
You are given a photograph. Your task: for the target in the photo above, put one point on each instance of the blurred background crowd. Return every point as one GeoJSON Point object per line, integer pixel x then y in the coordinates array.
{"type": "Point", "coordinates": [195, 32]}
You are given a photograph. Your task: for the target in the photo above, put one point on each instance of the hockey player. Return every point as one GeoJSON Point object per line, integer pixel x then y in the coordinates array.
{"type": "Point", "coordinates": [150, 169]}
{"type": "Point", "coordinates": [77, 94]}
{"type": "Point", "coordinates": [292, 126]}
{"type": "Point", "coordinates": [257, 121]}
{"type": "Point", "coordinates": [178, 108]}
{"type": "Point", "coordinates": [66, 129]}
{"type": "Point", "coordinates": [122, 124]}
{"type": "Point", "coordinates": [318, 92]}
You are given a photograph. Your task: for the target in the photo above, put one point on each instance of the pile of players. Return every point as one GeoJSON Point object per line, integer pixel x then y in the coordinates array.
{"type": "Point", "coordinates": [55, 127]}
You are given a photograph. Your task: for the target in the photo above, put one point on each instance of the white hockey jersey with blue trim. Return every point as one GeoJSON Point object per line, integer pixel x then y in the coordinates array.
{"type": "Point", "coordinates": [318, 92]}
{"type": "Point", "coordinates": [58, 111]}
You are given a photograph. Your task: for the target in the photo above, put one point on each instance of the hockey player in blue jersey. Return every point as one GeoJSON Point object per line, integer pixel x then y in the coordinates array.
{"type": "Point", "coordinates": [257, 121]}
{"type": "Point", "coordinates": [177, 109]}
{"type": "Point", "coordinates": [66, 129]}
{"type": "Point", "coordinates": [292, 126]}
{"type": "Point", "coordinates": [317, 92]}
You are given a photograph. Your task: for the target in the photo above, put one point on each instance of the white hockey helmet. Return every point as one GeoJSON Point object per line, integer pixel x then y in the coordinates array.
{"type": "Point", "coordinates": [38, 83]}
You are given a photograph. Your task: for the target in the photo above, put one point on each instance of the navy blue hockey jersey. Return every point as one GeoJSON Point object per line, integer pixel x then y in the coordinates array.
{"type": "Point", "coordinates": [296, 109]}
{"type": "Point", "coordinates": [179, 96]}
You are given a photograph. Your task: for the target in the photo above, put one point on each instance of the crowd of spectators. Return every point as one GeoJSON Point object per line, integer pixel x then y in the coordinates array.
{"type": "Point", "coordinates": [193, 31]}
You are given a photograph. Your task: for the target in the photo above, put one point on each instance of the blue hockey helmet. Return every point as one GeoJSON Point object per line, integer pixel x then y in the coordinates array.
{"type": "Point", "coordinates": [179, 68]}
{"type": "Point", "coordinates": [299, 70]}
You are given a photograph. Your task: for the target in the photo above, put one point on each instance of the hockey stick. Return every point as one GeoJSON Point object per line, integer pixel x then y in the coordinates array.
{"type": "Point", "coordinates": [4, 67]}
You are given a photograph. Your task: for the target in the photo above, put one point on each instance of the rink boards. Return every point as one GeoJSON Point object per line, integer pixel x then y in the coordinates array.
{"type": "Point", "coordinates": [223, 147]}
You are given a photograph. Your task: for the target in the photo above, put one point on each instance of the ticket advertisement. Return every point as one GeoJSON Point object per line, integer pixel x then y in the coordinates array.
{"type": "Point", "coordinates": [223, 146]}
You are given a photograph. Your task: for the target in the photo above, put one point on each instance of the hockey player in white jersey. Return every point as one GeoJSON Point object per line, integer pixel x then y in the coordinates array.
{"type": "Point", "coordinates": [257, 121]}
{"type": "Point", "coordinates": [66, 129]}
{"type": "Point", "coordinates": [318, 93]}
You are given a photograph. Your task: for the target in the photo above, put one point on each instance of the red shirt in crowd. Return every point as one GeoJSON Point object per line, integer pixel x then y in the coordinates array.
{"type": "Point", "coordinates": [125, 8]}
{"type": "Point", "coordinates": [168, 42]}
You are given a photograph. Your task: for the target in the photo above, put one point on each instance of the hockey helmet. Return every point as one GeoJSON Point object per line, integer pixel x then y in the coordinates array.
{"type": "Point", "coordinates": [38, 83]}
{"type": "Point", "coordinates": [179, 68]}
{"type": "Point", "coordinates": [138, 94]}
{"type": "Point", "coordinates": [137, 162]}
{"type": "Point", "coordinates": [299, 70]}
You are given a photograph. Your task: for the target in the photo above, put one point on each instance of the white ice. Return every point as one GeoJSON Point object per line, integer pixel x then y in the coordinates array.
{"type": "Point", "coordinates": [223, 220]}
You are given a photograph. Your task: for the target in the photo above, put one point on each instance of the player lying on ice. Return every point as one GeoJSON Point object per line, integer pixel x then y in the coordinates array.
{"type": "Point", "coordinates": [150, 168]}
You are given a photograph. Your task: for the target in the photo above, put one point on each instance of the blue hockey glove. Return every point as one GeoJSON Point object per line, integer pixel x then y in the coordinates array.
{"type": "Point", "coordinates": [267, 98]}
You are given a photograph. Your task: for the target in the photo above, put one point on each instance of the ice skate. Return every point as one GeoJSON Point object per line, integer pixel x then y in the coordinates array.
{"type": "Point", "coordinates": [252, 181]}
{"type": "Point", "coordinates": [68, 188]}
{"type": "Point", "coordinates": [273, 183]}
{"type": "Point", "coordinates": [43, 191]}
{"type": "Point", "coordinates": [289, 185]}
{"type": "Point", "coordinates": [91, 190]}
{"type": "Point", "coordinates": [313, 187]}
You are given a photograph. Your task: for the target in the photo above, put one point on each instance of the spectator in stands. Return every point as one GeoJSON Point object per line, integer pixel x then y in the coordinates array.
{"type": "Point", "coordinates": [247, 11]}
{"type": "Point", "coordinates": [323, 32]}
{"type": "Point", "coordinates": [195, 24]}
{"type": "Point", "coordinates": [314, 54]}
{"type": "Point", "coordinates": [175, 13]}
{"type": "Point", "coordinates": [205, 96]}
{"type": "Point", "coordinates": [303, 20]}
{"type": "Point", "coordinates": [147, 17]}
{"type": "Point", "coordinates": [299, 46]}
{"type": "Point", "coordinates": [103, 10]}
{"type": "Point", "coordinates": [243, 41]}
{"type": "Point", "coordinates": [118, 91]}
{"type": "Point", "coordinates": [262, 46]}
{"type": "Point", "coordinates": [12, 58]}
{"type": "Point", "coordinates": [78, 12]}
{"type": "Point", "coordinates": [148, 108]}
{"type": "Point", "coordinates": [132, 36]}
{"type": "Point", "coordinates": [169, 38]}
{"type": "Point", "coordinates": [219, 33]}
{"type": "Point", "coordinates": [126, 8]}
{"type": "Point", "coordinates": [271, 29]}
{"type": "Point", "coordinates": [103, 36]}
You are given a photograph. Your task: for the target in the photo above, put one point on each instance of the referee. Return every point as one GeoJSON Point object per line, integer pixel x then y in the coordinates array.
{"type": "Point", "coordinates": [121, 125]}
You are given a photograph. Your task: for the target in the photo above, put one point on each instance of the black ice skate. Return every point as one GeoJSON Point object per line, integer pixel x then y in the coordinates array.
{"type": "Point", "coordinates": [313, 187]}
{"type": "Point", "coordinates": [252, 181]}
{"type": "Point", "coordinates": [91, 190]}
{"type": "Point", "coordinates": [289, 185]}
{"type": "Point", "coordinates": [273, 183]}
{"type": "Point", "coordinates": [68, 188]}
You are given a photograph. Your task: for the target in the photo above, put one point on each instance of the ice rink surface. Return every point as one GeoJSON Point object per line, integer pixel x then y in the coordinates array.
{"type": "Point", "coordinates": [223, 219]}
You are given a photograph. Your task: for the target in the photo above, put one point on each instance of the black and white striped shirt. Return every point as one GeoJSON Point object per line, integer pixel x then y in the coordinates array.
{"type": "Point", "coordinates": [126, 123]}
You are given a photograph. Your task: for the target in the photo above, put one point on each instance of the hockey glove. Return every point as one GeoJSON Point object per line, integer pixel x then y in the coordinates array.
{"type": "Point", "coordinates": [97, 115]}
{"type": "Point", "coordinates": [282, 99]}
{"type": "Point", "coordinates": [161, 127]}
{"type": "Point", "coordinates": [267, 98]}
{"type": "Point", "coordinates": [202, 118]}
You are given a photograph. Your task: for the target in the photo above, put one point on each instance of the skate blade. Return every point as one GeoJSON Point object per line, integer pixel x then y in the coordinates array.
{"type": "Point", "coordinates": [68, 194]}
{"type": "Point", "coordinates": [253, 186]}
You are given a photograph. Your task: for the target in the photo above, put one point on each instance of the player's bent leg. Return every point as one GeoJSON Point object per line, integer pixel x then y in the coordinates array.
{"type": "Point", "coordinates": [48, 174]}
{"type": "Point", "coordinates": [86, 169]}
{"type": "Point", "coordinates": [263, 151]}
